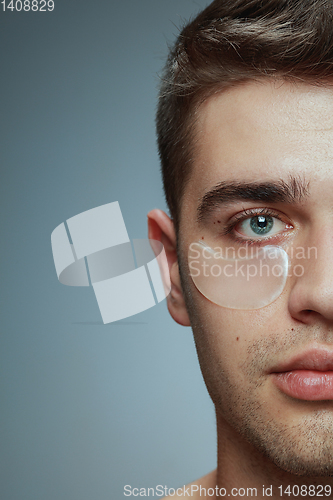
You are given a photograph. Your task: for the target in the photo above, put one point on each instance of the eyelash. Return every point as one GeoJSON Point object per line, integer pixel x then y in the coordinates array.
{"type": "Point", "coordinates": [245, 215]}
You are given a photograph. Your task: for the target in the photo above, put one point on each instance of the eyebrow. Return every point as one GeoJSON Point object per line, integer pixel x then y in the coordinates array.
{"type": "Point", "coordinates": [293, 191]}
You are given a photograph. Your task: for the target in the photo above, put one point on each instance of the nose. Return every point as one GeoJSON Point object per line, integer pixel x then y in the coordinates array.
{"type": "Point", "coordinates": [311, 297]}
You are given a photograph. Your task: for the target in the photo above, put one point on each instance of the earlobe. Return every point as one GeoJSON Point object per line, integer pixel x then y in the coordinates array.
{"type": "Point", "coordinates": [161, 228]}
{"type": "Point", "coordinates": [176, 302]}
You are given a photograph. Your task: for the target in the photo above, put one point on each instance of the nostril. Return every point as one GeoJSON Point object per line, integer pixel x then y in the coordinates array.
{"type": "Point", "coordinates": [307, 314]}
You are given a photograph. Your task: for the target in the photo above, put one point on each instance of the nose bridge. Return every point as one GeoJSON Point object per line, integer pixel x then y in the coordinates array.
{"type": "Point", "coordinates": [312, 272]}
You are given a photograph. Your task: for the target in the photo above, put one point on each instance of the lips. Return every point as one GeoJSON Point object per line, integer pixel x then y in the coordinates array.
{"type": "Point", "coordinates": [308, 376]}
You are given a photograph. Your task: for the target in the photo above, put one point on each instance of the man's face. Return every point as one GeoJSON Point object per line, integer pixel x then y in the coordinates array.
{"type": "Point", "coordinates": [274, 133]}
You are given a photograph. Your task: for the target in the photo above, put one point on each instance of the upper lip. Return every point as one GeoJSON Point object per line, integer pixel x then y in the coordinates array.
{"type": "Point", "coordinates": [315, 358]}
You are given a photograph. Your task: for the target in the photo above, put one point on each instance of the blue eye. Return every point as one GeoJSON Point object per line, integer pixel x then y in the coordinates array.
{"type": "Point", "coordinates": [261, 224]}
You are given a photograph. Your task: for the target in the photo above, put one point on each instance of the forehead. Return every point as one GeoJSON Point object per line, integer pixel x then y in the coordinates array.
{"type": "Point", "coordinates": [262, 129]}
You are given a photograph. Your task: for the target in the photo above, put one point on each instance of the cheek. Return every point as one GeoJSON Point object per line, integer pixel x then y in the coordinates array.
{"type": "Point", "coordinates": [225, 327]}
{"type": "Point", "coordinates": [221, 337]}
{"type": "Point", "coordinates": [225, 337]}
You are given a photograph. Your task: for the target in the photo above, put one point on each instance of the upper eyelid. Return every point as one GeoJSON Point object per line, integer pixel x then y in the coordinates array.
{"type": "Point", "coordinates": [252, 212]}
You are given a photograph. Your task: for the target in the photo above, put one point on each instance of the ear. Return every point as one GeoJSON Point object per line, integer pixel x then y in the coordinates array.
{"type": "Point", "coordinates": [161, 228]}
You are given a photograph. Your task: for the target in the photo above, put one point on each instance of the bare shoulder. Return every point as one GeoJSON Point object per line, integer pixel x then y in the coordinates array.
{"type": "Point", "coordinates": [196, 489]}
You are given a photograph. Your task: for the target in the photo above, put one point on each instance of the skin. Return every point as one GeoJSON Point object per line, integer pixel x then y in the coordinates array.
{"type": "Point", "coordinates": [261, 131]}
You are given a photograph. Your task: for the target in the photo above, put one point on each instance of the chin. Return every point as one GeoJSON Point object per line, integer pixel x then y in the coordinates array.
{"type": "Point", "coordinates": [306, 467]}
{"type": "Point", "coordinates": [305, 449]}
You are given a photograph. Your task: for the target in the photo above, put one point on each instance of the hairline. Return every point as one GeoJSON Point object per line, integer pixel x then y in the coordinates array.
{"type": "Point", "coordinates": [202, 97]}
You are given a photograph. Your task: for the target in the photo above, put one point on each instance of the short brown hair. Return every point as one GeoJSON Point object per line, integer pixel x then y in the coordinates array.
{"type": "Point", "coordinates": [229, 42]}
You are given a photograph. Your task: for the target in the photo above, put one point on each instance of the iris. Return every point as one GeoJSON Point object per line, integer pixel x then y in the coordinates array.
{"type": "Point", "coordinates": [261, 224]}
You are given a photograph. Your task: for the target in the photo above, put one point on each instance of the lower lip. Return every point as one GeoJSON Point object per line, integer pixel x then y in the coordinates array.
{"type": "Point", "coordinates": [309, 385]}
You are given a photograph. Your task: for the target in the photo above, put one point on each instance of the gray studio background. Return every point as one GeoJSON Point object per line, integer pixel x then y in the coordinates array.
{"type": "Point", "coordinates": [86, 408]}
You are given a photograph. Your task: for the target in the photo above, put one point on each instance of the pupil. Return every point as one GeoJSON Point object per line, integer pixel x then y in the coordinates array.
{"type": "Point", "coordinates": [261, 224]}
